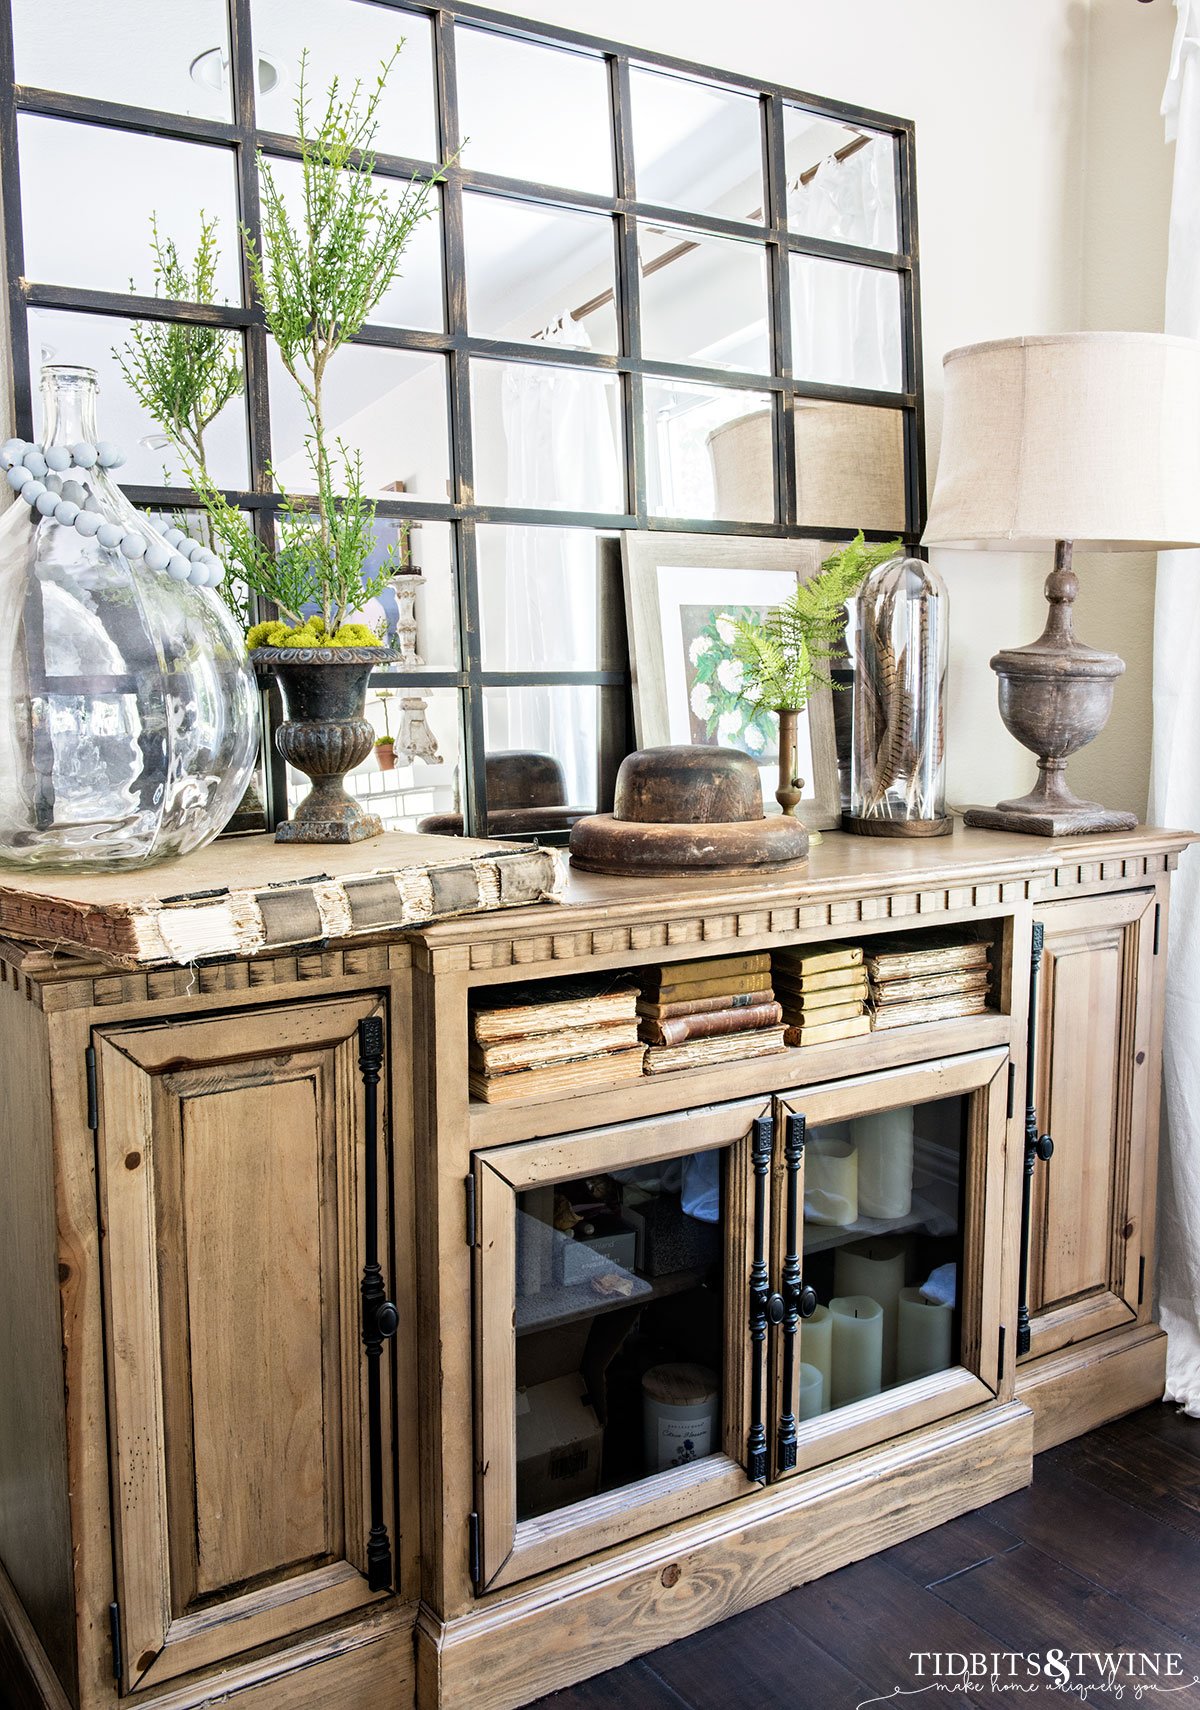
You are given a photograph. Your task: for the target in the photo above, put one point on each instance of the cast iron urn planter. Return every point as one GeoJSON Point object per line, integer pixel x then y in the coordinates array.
{"type": "Point", "coordinates": [325, 734]}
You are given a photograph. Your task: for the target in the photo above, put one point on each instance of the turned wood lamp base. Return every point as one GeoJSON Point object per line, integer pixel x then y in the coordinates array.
{"type": "Point", "coordinates": [1055, 696]}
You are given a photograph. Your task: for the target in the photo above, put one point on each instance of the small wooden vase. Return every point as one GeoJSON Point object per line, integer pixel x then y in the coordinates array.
{"type": "Point", "coordinates": [791, 785]}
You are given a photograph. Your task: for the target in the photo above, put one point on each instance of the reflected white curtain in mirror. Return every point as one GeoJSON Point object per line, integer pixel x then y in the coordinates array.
{"type": "Point", "coordinates": [846, 321]}
{"type": "Point", "coordinates": [561, 448]}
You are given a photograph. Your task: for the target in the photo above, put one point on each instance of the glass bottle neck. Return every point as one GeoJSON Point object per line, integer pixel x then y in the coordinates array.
{"type": "Point", "coordinates": [68, 405]}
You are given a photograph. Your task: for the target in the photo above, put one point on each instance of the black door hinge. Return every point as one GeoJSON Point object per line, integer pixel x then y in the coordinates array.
{"type": "Point", "coordinates": [469, 1191]}
{"type": "Point", "coordinates": [1142, 1279]}
{"type": "Point", "coordinates": [1012, 1086]}
{"type": "Point", "coordinates": [1157, 924]}
{"type": "Point", "coordinates": [473, 1547]}
{"type": "Point", "coordinates": [93, 1096]}
{"type": "Point", "coordinates": [114, 1634]}
{"type": "Point", "coordinates": [1000, 1356]}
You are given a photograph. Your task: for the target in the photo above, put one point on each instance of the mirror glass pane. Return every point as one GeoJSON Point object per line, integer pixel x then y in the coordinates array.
{"type": "Point", "coordinates": [547, 436]}
{"type": "Point", "coordinates": [415, 297]}
{"type": "Point", "coordinates": [841, 181]}
{"type": "Point", "coordinates": [96, 341]}
{"type": "Point", "coordinates": [881, 1233]}
{"type": "Point", "coordinates": [549, 598]}
{"type": "Point", "coordinates": [849, 466]}
{"type": "Point", "coordinates": [390, 404]}
{"type": "Point", "coordinates": [123, 53]}
{"type": "Point", "coordinates": [539, 272]}
{"type": "Point", "coordinates": [422, 780]}
{"type": "Point", "coordinates": [846, 324]}
{"type": "Point", "coordinates": [542, 745]}
{"type": "Point", "coordinates": [704, 299]}
{"type": "Point", "coordinates": [349, 40]}
{"type": "Point", "coordinates": [534, 112]}
{"type": "Point", "coordinates": [709, 452]}
{"type": "Point", "coordinates": [70, 238]}
{"type": "Point", "coordinates": [619, 1326]}
{"type": "Point", "coordinates": [419, 610]}
{"type": "Point", "coordinates": [696, 146]}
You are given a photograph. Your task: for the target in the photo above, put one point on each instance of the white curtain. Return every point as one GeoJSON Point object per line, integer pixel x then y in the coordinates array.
{"type": "Point", "coordinates": [561, 452]}
{"type": "Point", "coordinates": [1175, 773]}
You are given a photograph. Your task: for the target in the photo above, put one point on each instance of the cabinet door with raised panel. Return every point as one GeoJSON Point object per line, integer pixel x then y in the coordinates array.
{"type": "Point", "coordinates": [233, 1157]}
{"type": "Point", "coordinates": [1092, 1095]}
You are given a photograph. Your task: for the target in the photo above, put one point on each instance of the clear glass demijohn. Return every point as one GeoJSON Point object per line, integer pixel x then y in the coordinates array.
{"type": "Point", "coordinates": [128, 713]}
{"type": "Point", "coordinates": [898, 752]}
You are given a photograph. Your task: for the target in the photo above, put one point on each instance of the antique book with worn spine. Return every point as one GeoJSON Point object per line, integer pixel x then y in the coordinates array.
{"type": "Point", "coordinates": [610, 1068]}
{"type": "Point", "coordinates": [200, 907]}
{"type": "Point", "coordinates": [703, 1006]}
{"type": "Point", "coordinates": [930, 1009]}
{"type": "Point", "coordinates": [849, 1027]}
{"type": "Point", "coordinates": [933, 985]}
{"type": "Point", "coordinates": [825, 988]}
{"type": "Point", "coordinates": [708, 1023]}
{"type": "Point", "coordinates": [716, 985]}
{"type": "Point", "coordinates": [704, 1053]}
{"type": "Point", "coordinates": [821, 1015]}
{"type": "Point", "coordinates": [925, 953]}
{"type": "Point", "coordinates": [548, 1006]}
{"type": "Point", "coordinates": [508, 1056]}
{"type": "Point", "coordinates": [803, 960]}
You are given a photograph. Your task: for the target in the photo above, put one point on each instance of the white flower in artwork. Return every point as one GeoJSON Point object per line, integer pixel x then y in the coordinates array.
{"type": "Point", "coordinates": [729, 674]}
{"type": "Point", "coordinates": [699, 647]}
{"type": "Point", "coordinates": [753, 693]}
{"type": "Point", "coordinates": [726, 629]}
{"type": "Point", "coordinates": [702, 700]}
{"type": "Point", "coordinates": [754, 739]}
{"type": "Point", "coordinates": [729, 726]}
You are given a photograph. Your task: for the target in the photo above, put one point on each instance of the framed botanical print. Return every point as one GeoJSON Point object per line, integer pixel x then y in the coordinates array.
{"type": "Point", "coordinates": [684, 594]}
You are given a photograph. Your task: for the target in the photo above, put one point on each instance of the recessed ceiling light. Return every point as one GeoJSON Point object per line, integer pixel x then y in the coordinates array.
{"type": "Point", "coordinates": [211, 70]}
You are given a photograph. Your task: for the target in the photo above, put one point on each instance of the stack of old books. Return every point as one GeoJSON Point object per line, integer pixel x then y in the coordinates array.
{"type": "Point", "coordinates": [695, 1014]}
{"type": "Point", "coordinates": [555, 1036]}
{"type": "Point", "coordinates": [823, 990]}
{"type": "Point", "coordinates": [928, 976]}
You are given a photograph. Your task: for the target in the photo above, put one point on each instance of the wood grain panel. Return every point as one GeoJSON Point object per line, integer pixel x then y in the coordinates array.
{"type": "Point", "coordinates": [231, 1175]}
{"type": "Point", "coordinates": [255, 1323]}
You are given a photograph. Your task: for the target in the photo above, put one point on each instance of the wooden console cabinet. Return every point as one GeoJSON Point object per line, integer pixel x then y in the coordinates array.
{"type": "Point", "coordinates": [202, 1499]}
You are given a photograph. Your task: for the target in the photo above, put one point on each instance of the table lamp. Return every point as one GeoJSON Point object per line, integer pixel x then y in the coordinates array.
{"type": "Point", "coordinates": [1077, 439]}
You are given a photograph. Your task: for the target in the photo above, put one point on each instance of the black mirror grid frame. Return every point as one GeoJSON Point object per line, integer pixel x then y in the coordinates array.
{"type": "Point", "coordinates": [458, 345]}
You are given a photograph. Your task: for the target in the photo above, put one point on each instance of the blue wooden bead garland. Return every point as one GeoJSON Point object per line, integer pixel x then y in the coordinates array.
{"type": "Point", "coordinates": [35, 474]}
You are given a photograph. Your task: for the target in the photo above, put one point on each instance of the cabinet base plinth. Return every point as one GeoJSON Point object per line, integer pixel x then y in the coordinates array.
{"type": "Point", "coordinates": [1080, 1388]}
{"type": "Point", "coordinates": [516, 1646]}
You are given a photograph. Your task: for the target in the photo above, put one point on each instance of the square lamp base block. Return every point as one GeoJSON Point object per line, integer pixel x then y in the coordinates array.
{"type": "Point", "coordinates": [1088, 817]}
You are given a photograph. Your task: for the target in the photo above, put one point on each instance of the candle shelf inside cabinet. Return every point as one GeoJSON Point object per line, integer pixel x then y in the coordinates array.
{"type": "Point", "coordinates": [924, 1217]}
{"type": "Point", "coordinates": [575, 1303]}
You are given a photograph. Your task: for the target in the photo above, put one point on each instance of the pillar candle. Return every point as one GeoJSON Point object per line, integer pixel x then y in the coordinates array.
{"type": "Point", "coordinates": [816, 1347]}
{"type": "Point", "coordinates": [857, 1348]}
{"type": "Point", "coordinates": [875, 1267]}
{"type": "Point", "coordinates": [830, 1181]}
{"type": "Point", "coordinates": [923, 1339]}
{"type": "Point", "coordinates": [884, 1142]}
{"type": "Point", "coordinates": [812, 1392]}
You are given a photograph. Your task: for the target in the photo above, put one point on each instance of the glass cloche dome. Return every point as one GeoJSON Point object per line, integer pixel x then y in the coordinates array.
{"type": "Point", "coordinates": [128, 713]}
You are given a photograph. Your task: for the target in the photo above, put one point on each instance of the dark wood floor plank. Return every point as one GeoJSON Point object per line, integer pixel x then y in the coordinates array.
{"type": "Point", "coordinates": [633, 1687]}
{"type": "Point", "coordinates": [1098, 1535]}
{"type": "Point", "coordinates": [1033, 1603]}
{"type": "Point", "coordinates": [1168, 1424]}
{"type": "Point", "coordinates": [1142, 1470]}
{"type": "Point", "coordinates": [878, 1616]}
{"type": "Point", "coordinates": [952, 1548]}
{"type": "Point", "coordinates": [757, 1659]}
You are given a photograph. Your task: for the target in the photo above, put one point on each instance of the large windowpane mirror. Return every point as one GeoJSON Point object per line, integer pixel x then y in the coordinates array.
{"type": "Point", "coordinates": [649, 296]}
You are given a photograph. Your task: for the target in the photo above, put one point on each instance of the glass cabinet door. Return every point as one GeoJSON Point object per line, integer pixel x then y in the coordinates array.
{"type": "Point", "coordinates": [896, 1236]}
{"type": "Point", "coordinates": [613, 1361]}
